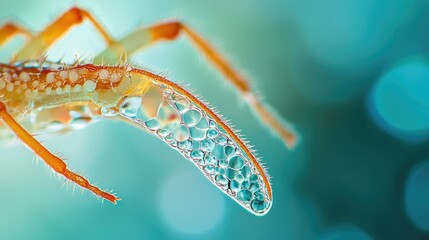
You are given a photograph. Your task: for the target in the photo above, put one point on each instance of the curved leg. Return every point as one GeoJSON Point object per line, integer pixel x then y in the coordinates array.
{"type": "Point", "coordinates": [50, 159]}
{"type": "Point", "coordinates": [169, 31]}
{"type": "Point", "coordinates": [9, 30]}
{"type": "Point", "coordinates": [36, 47]}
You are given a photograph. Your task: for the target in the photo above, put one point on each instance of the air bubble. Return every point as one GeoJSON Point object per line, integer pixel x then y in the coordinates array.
{"type": "Point", "coordinates": [181, 103]}
{"type": "Point", "coordinates": [221, 179]}
{"type": "Point", "coordinates": [245, 185]}
{"type": "Point", "coordinates": [152, 124]}
{"type": "Point", "coordinates": [218, 152]}
{"type": "Point", "coordinates": [207, 145]}
{"type": "Point", "coordinates": [221, 140]}
{"type": "Point", "coordinates": [236, 162]}
{"type": "Point", "coordinates": [235, 186]}
{"type": "Point", "coordinates": [223, 163]}
{"type": "Point", "coordinates": [187, 144]}
{"type": "Point", "coordinates": [167, 114]}
{"type": "Point", "coordinates": [244, 195]}
{"type": "Point", "coordinates": [209, 169]}
{"type": "Point", "coordinates": [253, 178]}
{"type": "Point", "coordinates": [210, 159]}
{"type": "Point", "coordinates": [197, 154]}
{"type": "Point", "coordinates": [191, 117]}
{"type": "Point", "coordinates": [212, 124]}
{"type": "Point", "coordinates": [231, 173]}
{"type": "Point", "coordinates": [202, 124]}
{"type": "Point", "coordinates": [181, 133]}
{"type": "Point", "coordinates": [212, 133]}
{"type": "Point", "coordinates": [254, 187]}
{"type": "Point", "coordinates": [130, 106]}
{"type": "Point", "coordinates": [259, 195]}
{"type": "Point", "coordinates": [229, 150]}
{"type": "Point", "coordinates": [197, 134]}
{"type": "Point", "coordinates": [246, 172]}
{"type": "Point", "coordinates": [258, 206]}
{"type": "Point", "coordinates": [239, 178]}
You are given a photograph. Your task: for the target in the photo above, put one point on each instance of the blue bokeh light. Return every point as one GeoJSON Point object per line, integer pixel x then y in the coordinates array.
{"type": "Point", "coordinates": [399, 102]}
{"type": "Point", "coordinates": [417, 195]}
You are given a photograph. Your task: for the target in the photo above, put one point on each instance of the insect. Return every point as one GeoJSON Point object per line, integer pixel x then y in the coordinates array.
{"type": "Point", "coordinates": [39, 97]}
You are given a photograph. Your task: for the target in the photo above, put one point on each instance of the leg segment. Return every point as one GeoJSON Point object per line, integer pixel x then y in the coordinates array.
{"type": "Point", "coordinates": [50, 159]}
{"type": "Point", "coordinates": [9, 30]}
{"type": "Point", "coordinates": [36, 47]}
{"type": "Point", "coordinates": [169, 31]}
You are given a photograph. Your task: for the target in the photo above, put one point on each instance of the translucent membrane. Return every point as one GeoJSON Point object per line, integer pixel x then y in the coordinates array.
{"type": "Point", "coordinates": [185, 127]}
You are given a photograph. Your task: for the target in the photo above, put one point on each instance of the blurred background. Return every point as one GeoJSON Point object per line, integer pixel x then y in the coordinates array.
{"type": "Point", "coordinates": [352, 76]}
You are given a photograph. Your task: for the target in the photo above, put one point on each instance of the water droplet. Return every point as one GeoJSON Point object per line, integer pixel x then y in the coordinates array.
{"type": "Point", "coordinates": [181, 133]}
{"type": "Point", "coordinates": [130, 106]}
{"type": "Point", "coordinates": [196, 154]}
{"type": "Point", "coordinates": [169, 138]}
{"type": "Point", "coordinates": [181, 103]}
{"type": "Point", "coordinates": [196, 145]}
{"type": "Point", "coordinates": [253, 178]}
{"type": "Point", "coordinates": [258, 206]}
{"type": "Point", "coordinates": [229, 150]}
{"type": "Point", "coordinates": [197, 134]}
{"type": "Point", "coordinates": [187, 144]}
{"type": "Point", "coordinates": [244, 195]}
{"type": "Point", "coordinates": [151, 101]}
{"type": "Point", "coordinates": [212, 124]}
{"type": "Point", "coordinates": [191, 117]}
{"type": "Point", "coordinates": [236, 162]}
{"type": "Point", "coordinates": [152, 124]}
{"type": "Point", "coordinates": [231, 173]}
{"type": "Point", "coordinates": [167, 114]}
{"type": "Point", "coordinates": [221, 179]}
{"type": "Point", "coordinates": [162, 132]}
{"type": "Point", "coordinates": [207, 145]}
{"type": "Point", "coordinates": [223, 163]}
{"type": "Point", "coordinates": [235, 186]}
{"type": "Point", "coordinates": [259, 195]}
{"type": "Point", "coordinates": [210, 159]}
{"type": "Point", "coordinates": [239, 178]}
{"type": "Point", "coordinates": [209, 169]}
{"type": "Point", "coordinates": [254, 187]}
{"type": "Point", "coordinates": [212, 133]}
{"type": "Point", "coordinates": [245, 185]}
{"type": "Point", "coordinates": [246, 172]}
{"type": "Point", "coordinates": [218, 152]}
{"type": "Point", "coordinates": [221, 140]}
{"type": "Point", "coordinates": [202, 124]}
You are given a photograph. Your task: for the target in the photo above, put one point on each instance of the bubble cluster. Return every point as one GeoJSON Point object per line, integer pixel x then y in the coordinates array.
{"type": "Point", "coordinates": [185, 127]}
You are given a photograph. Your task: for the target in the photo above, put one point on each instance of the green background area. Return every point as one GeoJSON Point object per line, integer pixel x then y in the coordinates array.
{"type": "Point", "coordinates": [314, 62]}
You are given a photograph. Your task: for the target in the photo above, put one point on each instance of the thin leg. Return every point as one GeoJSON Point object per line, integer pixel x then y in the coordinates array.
{"type": "Point", "coordinates": [9, 30]}
{"type": "Point", "coordinates": [50, 159]}
{"type": "Point", "coordinates": [169, 31]}
{"type": "Point", "coordinates": [36, 47]}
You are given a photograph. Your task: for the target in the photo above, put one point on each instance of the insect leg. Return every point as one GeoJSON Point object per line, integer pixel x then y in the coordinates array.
{"type": "Point", "coordinates": [9, 30]}
{"type": "Point", "coordinates": [169, 31]}
{"type": "Point", "coordinates": [36, 47]}
{"type": "Point", "coordinates": [50, 159]}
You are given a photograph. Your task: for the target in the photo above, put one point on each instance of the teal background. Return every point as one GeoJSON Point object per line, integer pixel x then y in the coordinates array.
{"type": "Point", "coordinates": [350, 75]}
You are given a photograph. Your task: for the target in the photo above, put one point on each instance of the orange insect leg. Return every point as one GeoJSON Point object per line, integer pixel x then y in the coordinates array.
{"type": "Point", "coordinates": [50, 159]}
{"type": "Point", "coordinates": [170, 30]}
{"type": "Point", "coordinates": [9, 30]}
{"type": "Point", "coordinates": [36, 47]}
